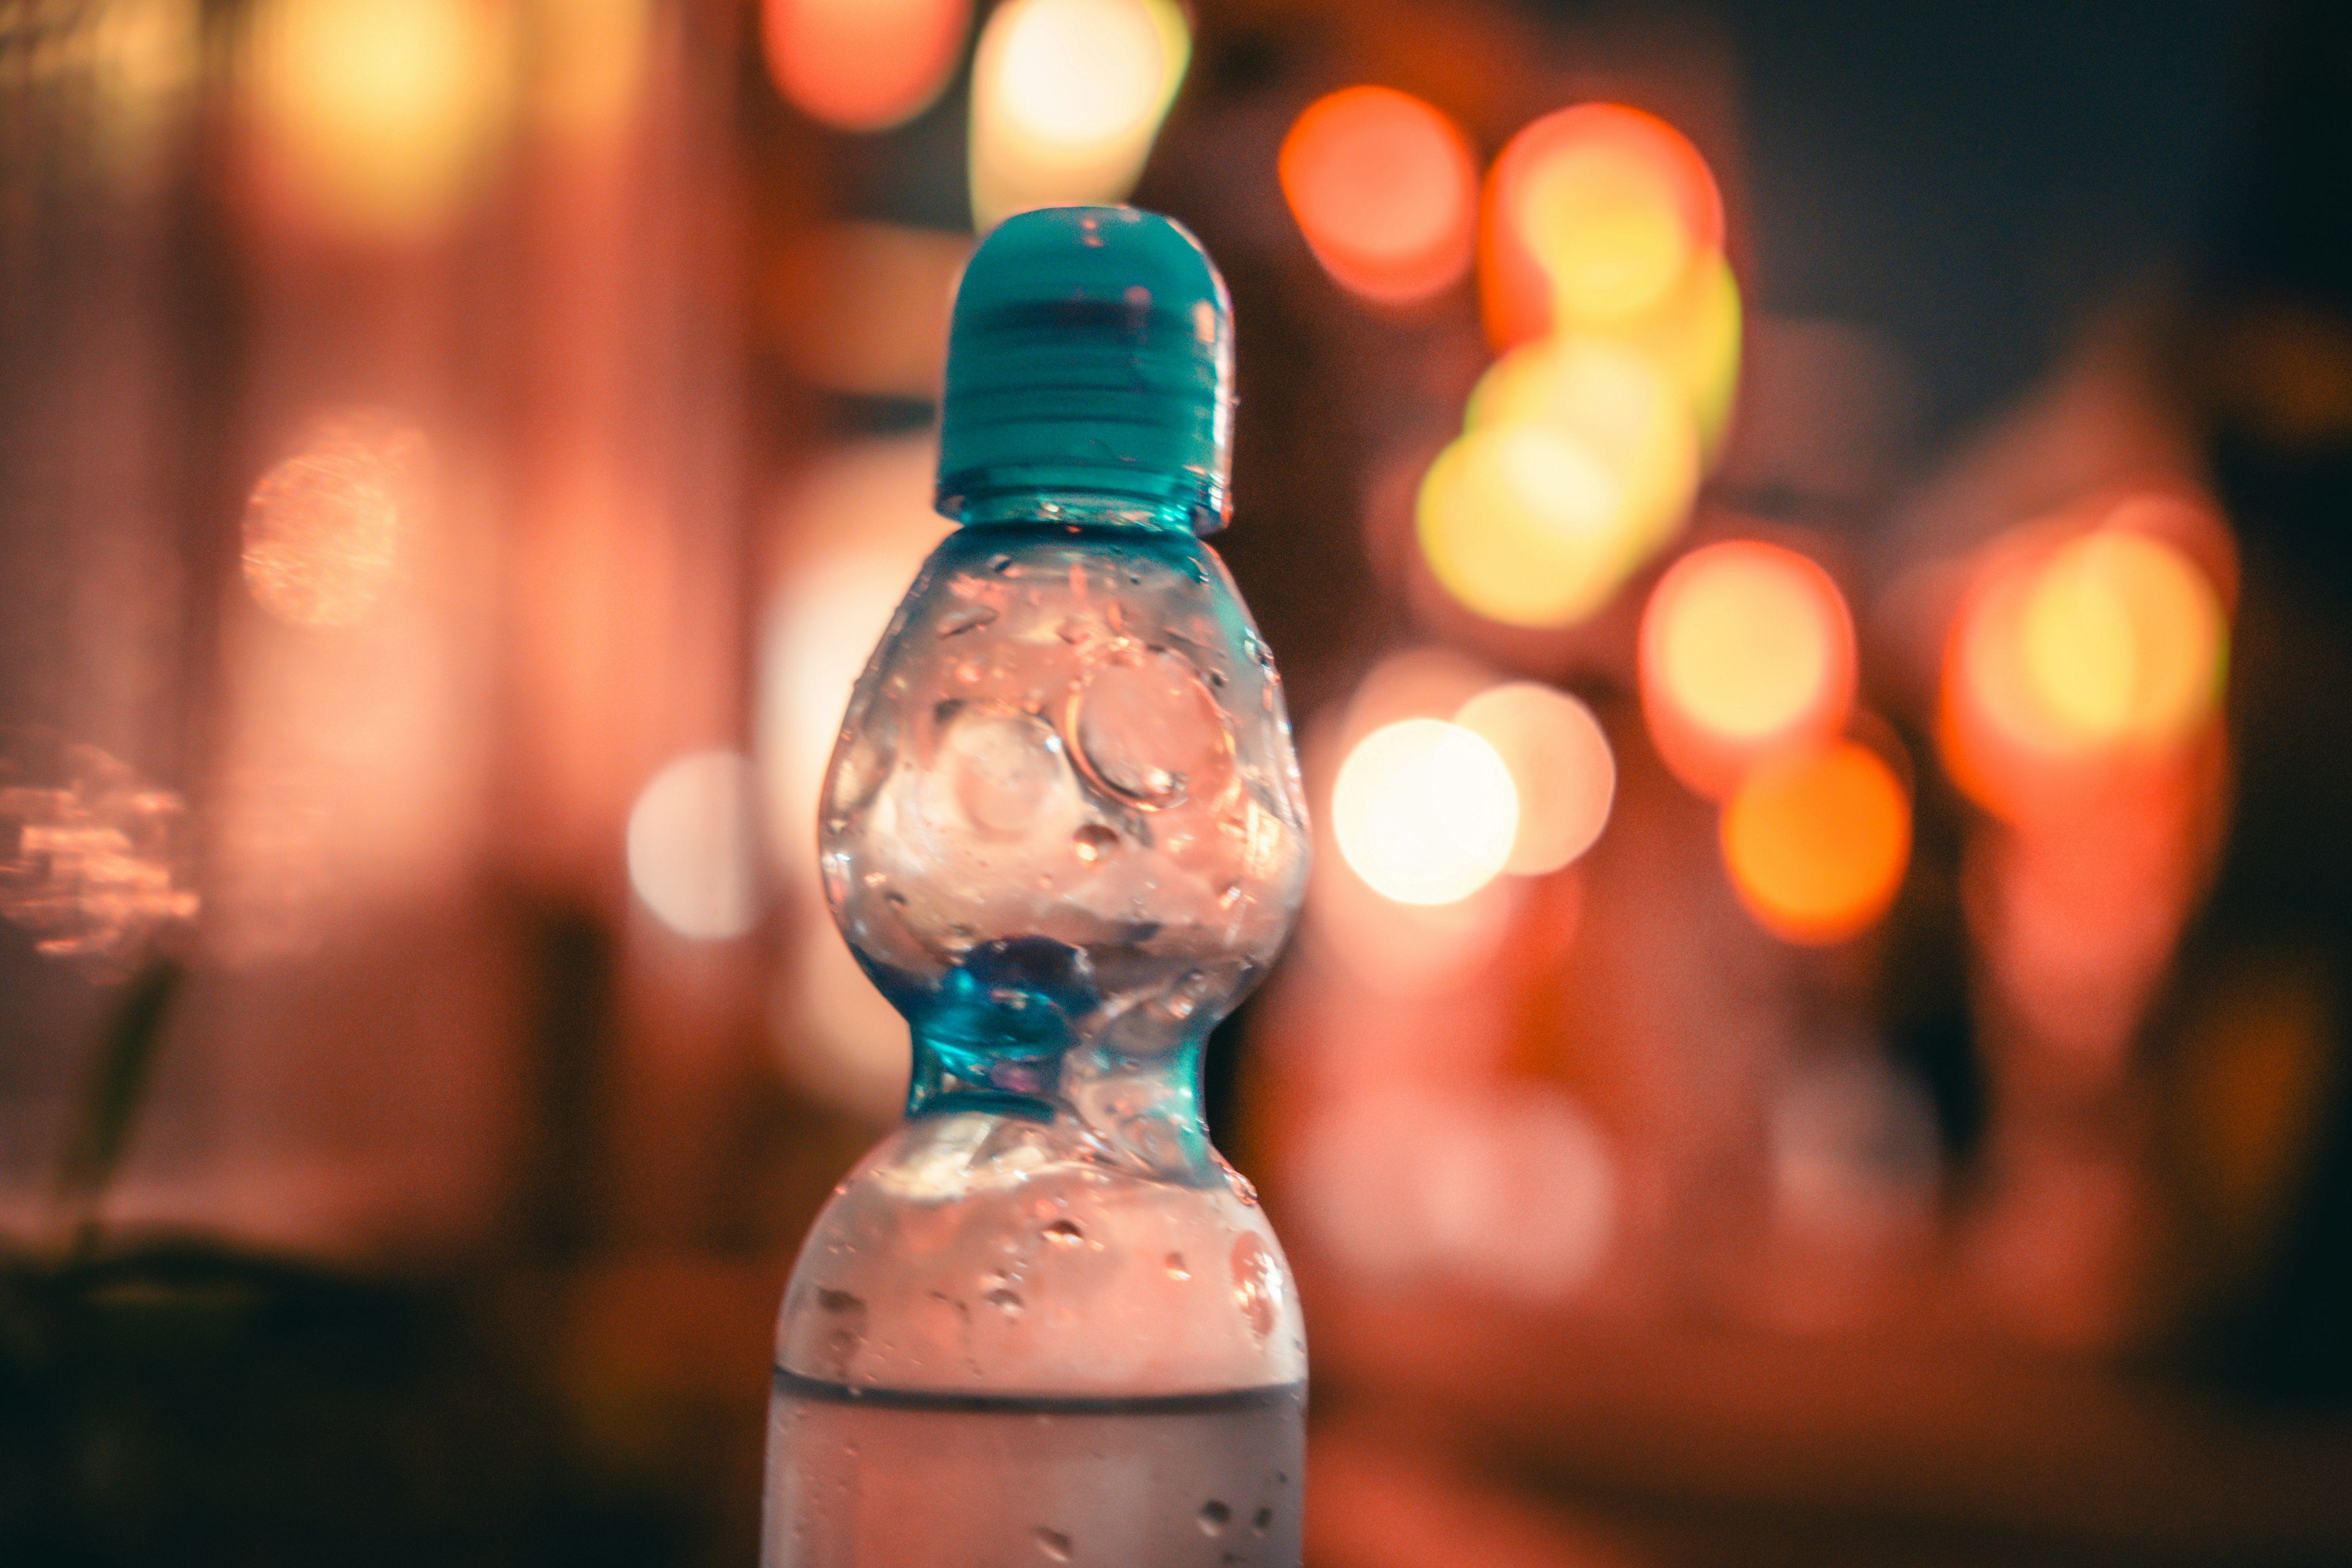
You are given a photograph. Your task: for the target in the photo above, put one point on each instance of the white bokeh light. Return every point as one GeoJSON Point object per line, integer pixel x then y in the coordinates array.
{"type": "Point", "coordinates": [690, 857]}
{"type": "Point", "coordinates": [1559, 759]}
{"type": "Point", "coordinates": [1424, 811]}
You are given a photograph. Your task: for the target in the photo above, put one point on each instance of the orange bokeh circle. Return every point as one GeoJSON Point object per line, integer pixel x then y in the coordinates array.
{"type": "Point", "coordinates": [1816, 841]}
{"type": "Point", "coordinates": [1385, 190]}
{"type": "Point", "coordinates": [1747, 649]}
{"type": "Point", "coordinates": [1594, 216]}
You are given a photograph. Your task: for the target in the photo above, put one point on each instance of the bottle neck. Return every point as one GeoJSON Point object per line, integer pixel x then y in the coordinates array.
{"type": "Point", "coordinates": [994, 1042]}
{"type": "Point", "coordinates": [1179, 505]}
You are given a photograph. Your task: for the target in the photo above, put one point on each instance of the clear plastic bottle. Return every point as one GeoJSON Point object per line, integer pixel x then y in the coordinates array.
{"type": "Point", "coordinates": [1045, 1321]}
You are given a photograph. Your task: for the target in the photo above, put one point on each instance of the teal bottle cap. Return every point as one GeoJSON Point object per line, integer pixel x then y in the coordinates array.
{"type": "Point", "coordinates": [1091, 360]}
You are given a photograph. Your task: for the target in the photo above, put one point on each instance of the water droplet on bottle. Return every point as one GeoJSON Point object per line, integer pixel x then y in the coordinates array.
{"type": "Point", "coordinates": [1053, 1544]}
{"type": "Point", "coordinates": [874, 879]}
{"type": "Point", "coordinates": [1064, 1233]}
{"type": "Point", "coordinates": [1008, 1302]}
{"type": "Point", "coordinates": [968, 672]}
{"type": "Point", "coordinates": [1229, 895]}
{"type": "Point", "coordinates": [1258, 1285]}
{"type": "Point", "coordinates": [1215, 1517]}
{"type": "Point", "coordinates": [859, 766]}
{"type": "Point", "coordinates": [1075, 630]}
{"type": "Point", "coordinates": [1175, 1266]}
{"type": "Point", "coordinates": [895, 898]}
{"type": "Point", "coordinates": [1261, 1521]}
{"type": "Point", "coordinates": [1185, 995]}
{"type": "Point", "coordinates": [963, 621]}
{"type": "Point", "coordinates": [1147, 731]}
{"type": "Point", "coordinates": [1002, 769]}
{"type": "Point", "coordinates": [1094, 841]}
{"type": "Point", "coordinates": [1000, 565]}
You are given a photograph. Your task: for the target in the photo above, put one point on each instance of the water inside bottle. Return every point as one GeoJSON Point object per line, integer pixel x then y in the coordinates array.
{"type": "Point", "coordinates": [889, 1478]}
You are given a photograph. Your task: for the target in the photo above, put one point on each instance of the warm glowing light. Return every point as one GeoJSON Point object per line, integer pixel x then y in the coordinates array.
{"type": "Point", "coordinates": [142, 58]}
{"type": "Point", "coordinates": [1561, 767]}
{"type": "Point", "coordinates": [1385, 190]}
{"type": "Point", "coordinates": [590, 63]}
{"type": "Point", "coordinates": [323, 528]}
{"type": "Point", "coordinates": [1425, 812]}
{"type": "Point", "coordinates": [2107, 646]}
{"type": "Point", "coordinates": [690, 846]}
{"type": "Point", "coordinates": [1816, 841]}
{"type": "Point", "coordinates": [1524, 524]}
{"type": "Point", "coordinates": [863, 65]}
{"type": "Point", "coordinates": [1693, 340]}
{"type": "Point", "coordinates": [95, 861]}
{"type": "Point", "coordinates": [1066, 98]}
{"type": "Point", "coordinates": [1594, 216]}
{"type": "Point", "coordinates": [2122, 640]}
{"type": "Point", "coordinates": [1745, 648]}
{"type": "Point", "coordinates": [1619, 406]}
{"type": "Point", "coordinates": [1387, 949]}
{"type": "Point", "coordinates": [380, 117]}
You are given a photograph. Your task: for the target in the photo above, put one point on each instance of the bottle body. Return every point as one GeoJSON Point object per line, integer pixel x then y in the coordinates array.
{"type": "Point", "coordinates": [1018, 1361]}
{"type": "Point", "coordinates": [1045, 1321]}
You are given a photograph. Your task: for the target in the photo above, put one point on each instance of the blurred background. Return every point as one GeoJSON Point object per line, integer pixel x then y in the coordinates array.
{"type": "Point", "coordinates": [1811, 545]}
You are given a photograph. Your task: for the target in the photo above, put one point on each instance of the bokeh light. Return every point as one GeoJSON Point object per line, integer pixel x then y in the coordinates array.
{"type": "Point", "coordinates": [1745, 648]}
{"type": "Point", "coordinates": [861, 65]}
{"type": "Point", "coordinates": [324, 528]}
{"type": "Point", "coordinates": [1560, 764]}
{"type": "Point", "coordinates": [1524, 524]}
{"type": "Point", "coordinates": [1693, 340]}
{"type": "Point", "coordinates": [378, 119]}
{"type": "Point", "coordinates": [1386, 949]}
{"type": "Point", "coordinates": [1618, 405]}
{"type": "Point", "coordinates": [95, 862]}
{"type": "Point", "coordinates": [2122, 640]}
{"type": "Point", "coordinates": [2103, 648]}
{"type": "Point", "coordinates": [1594, 216]}
{"type": "Point", "coordinates": [1066, 97]}
{"type": "Point", "coordinates": [1817, 840]}
{"type": "Point", "coordinates": [690, 835]}
{"type": "Point", "coordinates": [1424, 811]}
{"type": "Point", "coordinates": [1385, 190]}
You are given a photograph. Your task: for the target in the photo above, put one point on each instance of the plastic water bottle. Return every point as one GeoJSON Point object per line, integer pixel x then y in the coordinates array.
{"type": "Point", "coordinates": [1045, 1321]}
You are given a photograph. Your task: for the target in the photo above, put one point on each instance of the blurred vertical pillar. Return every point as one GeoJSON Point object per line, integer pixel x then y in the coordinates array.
{"type": "Point", "coordinates": [102, 621]}
{"type": "Point", "coordinates": [627, 613]}
{"type": "Point", "coordinates": [340, 1067]}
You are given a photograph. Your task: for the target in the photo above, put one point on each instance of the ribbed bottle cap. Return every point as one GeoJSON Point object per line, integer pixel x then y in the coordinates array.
{"type": "Point", "coordinates": [1091, 354]}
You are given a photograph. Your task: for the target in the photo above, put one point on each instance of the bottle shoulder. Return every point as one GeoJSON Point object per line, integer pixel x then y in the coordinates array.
{"type": "Point", "coordinates": [980, 1253]}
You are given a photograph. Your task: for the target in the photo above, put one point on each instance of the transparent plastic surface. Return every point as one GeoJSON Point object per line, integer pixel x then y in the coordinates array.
{"type": "Point", "coordinates": [1063, 831]}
